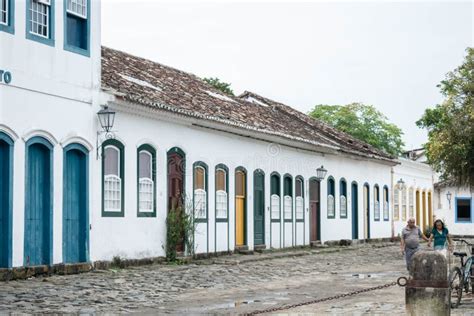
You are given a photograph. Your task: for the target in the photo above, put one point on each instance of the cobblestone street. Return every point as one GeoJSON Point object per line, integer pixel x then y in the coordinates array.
{"type": "Point", "coordinates": [232, 284]}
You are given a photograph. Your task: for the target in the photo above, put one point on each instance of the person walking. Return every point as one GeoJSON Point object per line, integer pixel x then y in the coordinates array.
{"type": "Point", "coordinates": [441, 237]}
{"type": "Point", "coordinates": [410, 240]}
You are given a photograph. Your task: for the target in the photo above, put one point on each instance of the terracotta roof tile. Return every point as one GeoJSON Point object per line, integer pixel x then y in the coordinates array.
{"type": "Point", "coordinates": [151, 84]}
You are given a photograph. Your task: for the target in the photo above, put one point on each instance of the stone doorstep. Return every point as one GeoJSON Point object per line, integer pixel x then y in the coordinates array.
{"type": "Point", "coordinates": [22, 273]}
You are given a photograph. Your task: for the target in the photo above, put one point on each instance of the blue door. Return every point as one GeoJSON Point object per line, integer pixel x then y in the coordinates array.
{"type": "Point", "coordinates": [6, 178]}
{"type": "Point", "coordinates": [38, 202]}
{"type": "Point", "coordinates": [355, 211]}
{"type": "Point", "coordinates": [75, 205]}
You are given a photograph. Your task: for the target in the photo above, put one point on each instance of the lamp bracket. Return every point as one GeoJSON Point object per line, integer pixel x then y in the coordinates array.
{"type": "Point", "coordinates": [102, 136]}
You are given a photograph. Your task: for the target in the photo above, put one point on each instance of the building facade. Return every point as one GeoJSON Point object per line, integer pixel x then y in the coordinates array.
{"type": "Point", "coordinates": [246, 167]}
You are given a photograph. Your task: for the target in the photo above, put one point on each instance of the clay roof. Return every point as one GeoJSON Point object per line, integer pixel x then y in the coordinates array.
{"type": "Point", "coordinates": [155, 85]}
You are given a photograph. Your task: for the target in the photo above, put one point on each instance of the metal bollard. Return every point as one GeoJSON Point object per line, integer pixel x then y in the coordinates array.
{"type": "Point", "coordinates": [427, 290]}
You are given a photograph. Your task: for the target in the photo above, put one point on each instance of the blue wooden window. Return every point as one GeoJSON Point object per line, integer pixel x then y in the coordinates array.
{"type": "Point", "coordinates": [7, 16]}
{"type": "Point", "coordinates": [146, 181]}
{"type": "Point", "coordinates": [331, 210]}
{"type": "Point", "coordinates": [463, 210]}
{"type": "Point", "coordinates": [113, 182]}
{"type": "Point", "coordinates": [200, 197]}
{"type": "Point", "coordinates": [77, 26]}
{"type": "Point", "coordinates": [40, 21]}
{"type": "Point", "coordinates": [343, 198]}
{"type": "Point", "coordinates": [299, 198]}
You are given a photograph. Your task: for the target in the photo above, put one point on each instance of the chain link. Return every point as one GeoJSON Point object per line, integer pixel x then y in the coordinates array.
{"type": "Point", "coordinates": [319, 300]}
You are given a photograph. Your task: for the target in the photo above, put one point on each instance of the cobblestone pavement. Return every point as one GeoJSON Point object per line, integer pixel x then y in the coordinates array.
{"type": "Point", "coordinates": [227, 285]}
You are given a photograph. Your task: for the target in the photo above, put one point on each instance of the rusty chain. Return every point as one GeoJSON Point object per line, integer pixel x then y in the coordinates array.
{"type": "Point", "coordinates": [319, 300]}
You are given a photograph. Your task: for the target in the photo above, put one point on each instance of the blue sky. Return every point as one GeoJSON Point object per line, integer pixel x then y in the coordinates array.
{"type": "Point", "coordinates": [388, 54]}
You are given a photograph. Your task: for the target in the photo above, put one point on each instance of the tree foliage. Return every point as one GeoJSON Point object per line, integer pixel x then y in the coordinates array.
{"type": "Point", "coordinates": [450, 125]}
{"type": "Point", "coordinates": [363, 122]}
{"type": "Point", "coordinates": [220, 85]}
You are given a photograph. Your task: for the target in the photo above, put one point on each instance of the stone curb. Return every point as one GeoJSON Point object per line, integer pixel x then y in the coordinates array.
{"type": "Point", "coordinates": [22, 273]}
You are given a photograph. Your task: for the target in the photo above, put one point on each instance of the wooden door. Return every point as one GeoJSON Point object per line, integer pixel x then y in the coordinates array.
{"type": "Point", "coordinates": [355, 211]}
{"type": "Point", "coordinates": [259, 208]}
{"type": "Point", "coordinates": [314, 205]}
{"type": "Point", "coordinates": [423, 201]}
{"type": "Point", "coordinates": [430, 210]}
{"type": "Point", "coordinates": [38, 205]}
{"type": "Point", "coordinates": [240, 197]}
{"type": "Point", "coordinates": [75, 205]}
{"type": "Point", "coordinates": [176, 167]}
{"type": "Point", "coordinates": [6, 166]}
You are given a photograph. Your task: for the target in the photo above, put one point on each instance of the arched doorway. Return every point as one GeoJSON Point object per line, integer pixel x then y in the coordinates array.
{"type": "Point", "coordinates": [240, 207]}
{"type": "Point", "coordinates": [38, 202]}
{"type": "Point", "coordinates": [355, 210]}
{"type": "Point", "coordinates": [315, 209]}
{"type": "Point", "coordinates": [76, 204]}
{"type": "Point", "coordinates": [6, 193]}
{"type": "Point", "coordinates": [175, 185]}
{"type": "Point", "coordinates": [259, 207]}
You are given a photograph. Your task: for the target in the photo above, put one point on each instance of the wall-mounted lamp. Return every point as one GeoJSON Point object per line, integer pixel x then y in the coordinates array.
{"type": "Point", "coordinates": [448, 196]}
{"type": "Point", "coordinates": [321, 173]}
{"type": "Point", "coordinates": [400, 184]}
{"type": "Point", "coordinates": [106, 119]}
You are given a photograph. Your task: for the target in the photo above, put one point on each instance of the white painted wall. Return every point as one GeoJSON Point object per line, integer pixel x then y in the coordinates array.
{"type": "Point", "coordinates": [420, 177]}
{"type": "Point", "coordinates": [446, 211]}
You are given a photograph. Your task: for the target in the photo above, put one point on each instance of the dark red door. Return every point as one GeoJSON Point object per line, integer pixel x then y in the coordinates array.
{"type": "Point", "coordinates": [175, 186]}
{"type": "Point", "coordinates": [314, 204]}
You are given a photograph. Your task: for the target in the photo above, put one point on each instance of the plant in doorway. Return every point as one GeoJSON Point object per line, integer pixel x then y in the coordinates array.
{"type": "Point", "coordinates": [180, 230]}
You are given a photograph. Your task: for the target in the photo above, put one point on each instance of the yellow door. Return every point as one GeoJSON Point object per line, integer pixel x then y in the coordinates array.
{"type": "Point", "coordinates": [423, 201]}
{"type": "Point", "coordinates": [430, 210]}
{"type": "Point", "coordinates": [239, 208]}
{"type": "Point", "coordinates": [239, 221]}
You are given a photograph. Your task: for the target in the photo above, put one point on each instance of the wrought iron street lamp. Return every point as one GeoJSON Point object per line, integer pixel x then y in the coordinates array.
{"type": "Point", "coordinates": [400, 184]}
{"type": "Point", "coordinates": [321, 173]}
{"type": "Point", "coordinates": [106, 119]}
{"type": "Point", "coordinates": [448, 196]}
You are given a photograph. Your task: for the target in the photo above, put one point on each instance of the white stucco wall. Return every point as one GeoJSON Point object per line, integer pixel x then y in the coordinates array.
{"type": "Point", "coordinates": [419, 177]}
{"type": "Point", "coordinates": [446, 210]}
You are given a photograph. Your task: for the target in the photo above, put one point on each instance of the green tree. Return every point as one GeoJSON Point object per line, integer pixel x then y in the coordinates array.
{"type": "Point", "coordinates": [220, 85]}
{"type": "Point", "coordinates": [450, 125]}
{"type": "Point", "coordinates": [363, 122]}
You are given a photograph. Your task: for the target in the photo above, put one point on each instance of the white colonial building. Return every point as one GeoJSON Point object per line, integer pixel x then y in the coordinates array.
{"type": "Point", "coordinates": [71, 190]}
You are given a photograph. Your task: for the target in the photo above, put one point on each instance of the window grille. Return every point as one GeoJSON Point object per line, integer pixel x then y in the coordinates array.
{"type": "Point", "coordinates": [331, 206]}
{"type": "Point", "coordinates": [145, 195]}
{"type": "Point", "coordinates": [275, 206]}
{"type": "Point", "coordinates": [404, 204]}
{"type": "Point", "coordinates": [112, 193]}
{"type": "Point", "coordinates": [299, 207]}
{"type": "Point", "coordinates": [200, 203]}
{"type": "Point", "coordinates": [343, 206]}
{"type": "Point", "coordinates": [396, 204]}
{"type": "Point", "coordinates": [287, 206]}
{"type": "Point", "coordinates": [77, 7]}
{"type": "Point", "coordinates": [39, 17]}
{"type": "Point", "coordinates": [4, 12]}
{"type": "Point", "coordinates": [411, 211]}
{"type": "Point", "coordinates": [221, 204]}
{"type": "Point", "coordinates": [376, 210]}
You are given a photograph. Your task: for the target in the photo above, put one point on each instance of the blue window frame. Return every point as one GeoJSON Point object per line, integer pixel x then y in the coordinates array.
{"type": "Point", "coordinates": [331, 209]}
{"type": "Point", "coordinates": [40, 21]}
{"type": "Point", "coordinates": [7, 16]}
{"type": "Point", "coordinates": [77, 26]}
{"type": "Point", "coordinates": [343, 198]}
{"type": "Point", "coordinates": [463, 210]}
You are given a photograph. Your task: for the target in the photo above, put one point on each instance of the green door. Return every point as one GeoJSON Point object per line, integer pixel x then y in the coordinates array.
{"type": "Point", "coordinates": [259, 208]}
